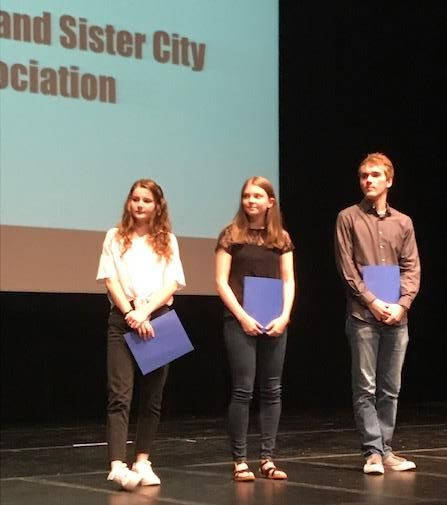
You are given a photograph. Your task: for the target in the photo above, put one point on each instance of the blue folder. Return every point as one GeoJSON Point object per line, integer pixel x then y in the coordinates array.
{"type": "Point", "coordinates": [383, 281]}
{"type": "Point", "coordinates": [263, 298]}
{"type": "Point", "coordinates": [170, 342]}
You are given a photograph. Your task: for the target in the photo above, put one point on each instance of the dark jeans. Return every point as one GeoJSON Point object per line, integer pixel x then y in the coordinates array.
{"type": "Point", "coordinates": [247, 356]}
{"type": "Point", "coordinates": [377, 352]}
{"type": "Point", "coordinates": [121, 371]}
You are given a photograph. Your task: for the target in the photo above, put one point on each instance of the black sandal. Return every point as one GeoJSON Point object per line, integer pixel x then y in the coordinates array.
{"type": "Point", "coordinates": [268, 470]}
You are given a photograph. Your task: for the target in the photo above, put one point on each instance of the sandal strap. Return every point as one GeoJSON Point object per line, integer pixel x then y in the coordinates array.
{"type": "Point", "coordinates": [236, 473]}
{"type": "Point", "coordinates": [245, 469]}
{"type": "Point", "coordinates": [269, 472]}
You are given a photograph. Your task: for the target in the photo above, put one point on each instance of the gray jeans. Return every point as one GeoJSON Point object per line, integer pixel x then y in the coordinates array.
{"type": "Point", "coordinates": [250, 356]}
{"type": "Point", "coordinates": [377, 355]}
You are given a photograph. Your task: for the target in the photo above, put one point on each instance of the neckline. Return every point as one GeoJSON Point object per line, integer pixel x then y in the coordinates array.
{"type": "Point", "coordinates": [138, 237]}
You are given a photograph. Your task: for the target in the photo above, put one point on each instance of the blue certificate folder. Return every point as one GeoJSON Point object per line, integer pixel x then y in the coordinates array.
{"type": "Point", "coordinates": [383, 281]}
{"type": "Point", "coordinates": [170, 342]}
{"type": "Point", "coordinates": [263, 298]}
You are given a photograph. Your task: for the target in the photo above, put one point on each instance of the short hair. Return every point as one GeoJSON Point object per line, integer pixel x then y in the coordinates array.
{"type": "Point", "coordinates": [379, 159]}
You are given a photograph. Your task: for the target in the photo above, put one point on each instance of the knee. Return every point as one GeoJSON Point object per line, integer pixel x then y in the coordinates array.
{"type": "Point", "coordinates": [151, 404]}
{"type": "Point", "coordinates": [363, 387]}
{"type": "Point", "coordinates": [271, 392]}
{"type": "Point", "coordinates": [388, 394]}
{"type": "Point", "coordinates": [242, 395]}
{"type": "Point", "coordinates": [364, 397]}
{"type": "Point", "coordinates": [119, 401]}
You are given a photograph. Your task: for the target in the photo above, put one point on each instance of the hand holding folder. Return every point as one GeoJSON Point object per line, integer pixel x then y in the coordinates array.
{"type": "Point", "coordinates": [263, 298]}
{"type": "Point", "coordinates": [169, 343]}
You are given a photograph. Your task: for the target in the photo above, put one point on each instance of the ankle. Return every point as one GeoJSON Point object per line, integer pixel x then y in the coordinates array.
{"type": "Point", "coordinates": [266, 462]}
{"type": "Point", "coordinates": [141, 457]}
{"type": "Point", "coordinates": [374, 458]}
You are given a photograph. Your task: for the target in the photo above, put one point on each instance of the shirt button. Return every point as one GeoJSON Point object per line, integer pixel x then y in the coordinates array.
{"type": "Point", "coordinates": [383, 259]}
{"type": "Point", "coordinates": [381, 246]}
{"type": "Point", "coordinates": [380, 233]}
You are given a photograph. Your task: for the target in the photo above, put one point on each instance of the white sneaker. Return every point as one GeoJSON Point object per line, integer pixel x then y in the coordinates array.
{"type": "Point", "coordinates": [374, 465]}
{"type": "Point", "coordinates": [126, 478]}
{"type": "Point", "coordinates": [144, 470]}
{"type": "Point", "coordinates": [398, 464]}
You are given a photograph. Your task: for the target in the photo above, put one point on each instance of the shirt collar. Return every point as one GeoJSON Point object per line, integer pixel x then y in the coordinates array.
{"type": "Point", "coordinates": [368, 207]}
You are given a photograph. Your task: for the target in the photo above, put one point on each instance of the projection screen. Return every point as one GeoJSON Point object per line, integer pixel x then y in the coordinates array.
{"type": "Point", "coordinates": [95, 95]}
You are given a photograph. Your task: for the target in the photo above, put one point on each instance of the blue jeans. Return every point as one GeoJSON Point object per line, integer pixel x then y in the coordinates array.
{"type": "Point", "coordinates": [377, 356]}
{"type": "Point", "coordinates": [248, 356]}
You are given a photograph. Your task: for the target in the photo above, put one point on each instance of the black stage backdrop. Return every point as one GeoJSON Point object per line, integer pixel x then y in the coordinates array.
{"type": "Point", "coordinates": [354, 79]}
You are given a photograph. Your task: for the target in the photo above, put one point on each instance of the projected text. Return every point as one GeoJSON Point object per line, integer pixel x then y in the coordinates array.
{"type": "Point", "coordinates": [79, 34]}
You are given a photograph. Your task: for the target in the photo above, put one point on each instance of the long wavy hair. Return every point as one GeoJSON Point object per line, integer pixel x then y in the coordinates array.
{"type": "Point", "coordinates": [159, 225]}
{"type": "Point", "coordinates": [239, 228]}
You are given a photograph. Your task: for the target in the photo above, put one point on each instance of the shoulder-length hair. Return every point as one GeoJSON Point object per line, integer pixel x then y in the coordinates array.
{"type": "Point", "coordinates": [159, 226]}
{"type": "Point", "coordinates": [239, 228]}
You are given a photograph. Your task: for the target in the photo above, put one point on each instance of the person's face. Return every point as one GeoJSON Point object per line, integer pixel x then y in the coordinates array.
{"type": "Point", "coordinates": [256, 202]}
{"type": "Point", "coordinates": [141, 204]}
{"type": "Point", "coordinates": [373, 181]}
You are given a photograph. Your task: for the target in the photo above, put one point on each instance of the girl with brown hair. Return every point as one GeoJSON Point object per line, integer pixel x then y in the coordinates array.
{"type": "Point", "coordinates": [254, 244]}
{"type": "Point", "coordinates": [140, 265]}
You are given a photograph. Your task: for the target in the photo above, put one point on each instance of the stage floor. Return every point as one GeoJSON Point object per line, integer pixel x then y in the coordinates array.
{"type": "Point", "coordinates": [54, 465]}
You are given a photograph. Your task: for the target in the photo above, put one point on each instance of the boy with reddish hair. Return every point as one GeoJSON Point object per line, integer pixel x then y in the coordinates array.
{"type": "Point", "coordinates": [369, 236]}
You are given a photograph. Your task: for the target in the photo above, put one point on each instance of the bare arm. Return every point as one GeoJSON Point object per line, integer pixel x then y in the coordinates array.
{"type": "Point", "coordinates": [288, 277]}
{"type": "Point", "coordinates": [116, 292]}
{"type": "Point", "coordinates": [115, 289]}
{"type": "Point", "coordinates": [157, 300]}
{"type": "Point", "coordinates": [222, 272]}
{"type": "Point", "coordinates": [278, 325]}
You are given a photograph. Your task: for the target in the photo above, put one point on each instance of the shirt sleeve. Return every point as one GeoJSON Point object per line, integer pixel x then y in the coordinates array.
{"type": "Point", "coordinates": [224, 241]}
{"type": "Point", "coordinates": [174, 269]}
{"type": "Point", "coordinates": [410, 268]}
{"type": "Point", "coordinates": [107, 269]}
{"type": "Point", "coordinates": [345, 262]}
{"type": "Point", "coordinates": [288, 244]}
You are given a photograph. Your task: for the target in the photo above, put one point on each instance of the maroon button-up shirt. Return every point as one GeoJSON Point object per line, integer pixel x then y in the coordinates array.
{"type": "Point", "coordinates": [364, 238]}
